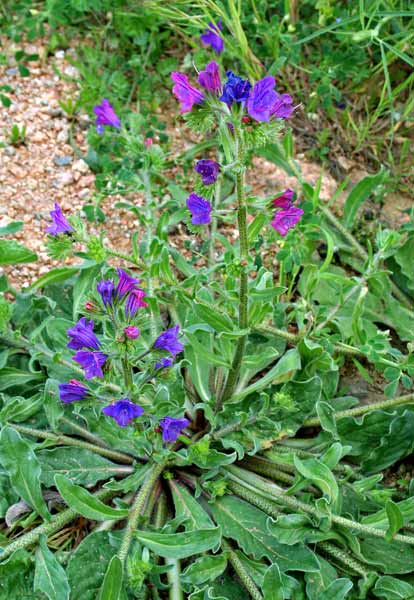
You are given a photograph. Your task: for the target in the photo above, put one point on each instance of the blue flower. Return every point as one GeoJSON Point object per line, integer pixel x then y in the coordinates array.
{"type": "Point", "coordinates": [164, 363]}
{"type": "Point", "coordinates": [208, 169]}
{"type": "Point", "coordinates": [126, 283]}
{"type": "Point", "coordinates": [235, 89]}
{"type": "Point", "coordinates": [106, 289]}
{"type": "Point", "coordinates": [200, 209]}
{"type": "Point", "coordinates": [211, 37]}
{"type": "Point", "coordinates": [105, 115]}
{"type": "Point", "coordinates": [91, 362]}
{"type": "Point", "coordinates": [123, 411]}
{"type": "Point", "coordinates": [134, 302]}
{"type": "Point", "coordinates": [171, 428]}
{"type": "Point", "coordinates": [82, 335]}
{"type": "Point", "coordinates": [72, 391]}
{"type": "Point", "coordinates": [168, 340]}
{"type": "Point", "coordinates": [59, 222]}
{"type": "Point", "coordinates": [185, 93]}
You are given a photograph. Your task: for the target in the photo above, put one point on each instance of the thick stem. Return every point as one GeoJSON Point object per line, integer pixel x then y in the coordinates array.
{"type": "Point", "coordinates": [65, 440]}
{"type": "Point", "coordinates": [149, 221]}
{"type": "Point", "coordinates": [57, 522]}
{"type": "Point", "coordinates": [84, 432]}
{"type": "Point", "coordinates": [273, 492]}
{"type": "Point", "coordinates": [138, 507]}
{"type": "Point", "coordinates": [244, 256]}
{"type": "Point", "coordinates": [344, 558]}
{"type": "Point", "coordinates": [243, 575]}
{"type": "Point", "coordinates": [366, 408]}
{"type": "Point", "coordinates": [173, 575]}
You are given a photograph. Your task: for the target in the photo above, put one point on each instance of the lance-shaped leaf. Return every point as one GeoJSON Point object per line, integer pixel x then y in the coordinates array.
{"type": "Point", "coordinates": [181, 545]}
{"type": "Point", "coordinates": [187, 506]}
{"type": "Point", "coordinates": [112, 584]}
{"type": "Point", "coordinates": [50, 577]}
{"type": "Point", "coordinates": [85, 503]}
{"type": "Point", "coordinates": [23, 468]}
{"type": "Point", "coordinates": [317, 472]}
{"type": "Point", "coordinates": [206, 568]}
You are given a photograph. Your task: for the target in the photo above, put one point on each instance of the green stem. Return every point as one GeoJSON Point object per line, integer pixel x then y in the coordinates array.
{"type": "Point", "coordinates": [57, 522]}
{"type": "Point", "coordinates": [265, 505]}
{"type": "Point", "coordinates": [232, 427]}
{"type": "Point", "coordinates": [149, 221]}
{"type": "Point", "coordinates": [173, 575]}
{"type": "Point", "coordinates": [64, 440]}
{"type": "Point", "coordinates": [84, 432]}
{"type": "Point", "coordinates": [137, 508]}
{"type": "Point", "coordinates": [127, 257]}
{"type": "Point", "coordinates": [244, 256]}
{"type": "Point", "coordinates": [344, 558]}
{"type": "Point", "coordinates": [273, 492]}
{"type": "Point", "coordinates": [366, 408]}
{"type": "Point", "coordinates": [243, 575]}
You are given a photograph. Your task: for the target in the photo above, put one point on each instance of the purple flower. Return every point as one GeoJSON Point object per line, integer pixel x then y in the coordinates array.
{"type": "Point", "coordinates": [131, 332]}
{"type": "Point", "coordinates": [105, 115]}
{"type": "Point", "coordinates": [171, 428]}
{"type": "Point", "coordinates": [208, 169]}
{"type": "Point", "coordinates": [284, 220]}
{"type": "Point", "coordinates": [91, 362]}
{"type": "Point", "coordinates": [209, 79]}
{"type": "Point", "coordinates": [59, 222]}
{"type": "Point", "coordinates": [168, 340]}
{"type": "Point", "coordinates": [134, 302]}
{"type": "Point", "coordinates": [284, 200]}
{"type": "Point", "coordinates": [262, 99]}
{"type": "Point", "coordinates": [235, 89]}
{"type": "Point", "coordinates": [211, 37]}
{"type": "Point", "coordinates": [126, 283]}
{"type": "Point", "coordinates": [164, 363]}
{"type": "Point", "coordinates": [283, 107]}
{"type": "Point", "coordinates": [106, 289]}
{"type": "Point", "coordinates": [72, 391]}
{"type": "Point", "coordinates": [200, 209]}
{"type": "Point", "coordinates": [82, 335]}
{"type": "Point", "coordinates": [123, 411]}
{"type": "Point", "coordinates": [186, 93]}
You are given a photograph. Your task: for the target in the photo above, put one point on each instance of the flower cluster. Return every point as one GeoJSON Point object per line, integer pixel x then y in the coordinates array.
{"type": "Point", "coordinates": [287, 215]}
{"type": "Point", "coordinates": [127, 289]}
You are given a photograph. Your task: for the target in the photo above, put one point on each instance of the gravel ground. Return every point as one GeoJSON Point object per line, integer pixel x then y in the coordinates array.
{"type": "Point", "coordinates": [45, 169]}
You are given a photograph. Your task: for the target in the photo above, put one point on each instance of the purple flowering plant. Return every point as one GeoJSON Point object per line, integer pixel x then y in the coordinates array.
{"type": "Point", "coordinates": [176, 373]}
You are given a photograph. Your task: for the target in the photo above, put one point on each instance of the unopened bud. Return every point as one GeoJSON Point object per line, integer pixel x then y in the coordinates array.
{"type": "Point", "coordinates": [90, 306]}
{"type": "Point", "coordinates": [245, 119]}
{"type": "Point", "coordinates": [157, 429]}
{"type": "Point", "coordinates": [148, 142]}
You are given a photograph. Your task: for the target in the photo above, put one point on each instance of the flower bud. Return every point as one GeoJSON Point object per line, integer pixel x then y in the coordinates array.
{"type": "Point", "coordinates": [148, 142]}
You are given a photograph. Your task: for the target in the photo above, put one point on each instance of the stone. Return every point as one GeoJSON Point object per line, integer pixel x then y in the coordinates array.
{"type": "Point", "coordinates": [62, 161]}
{"type": "Point", "coordinates": [80, 166]}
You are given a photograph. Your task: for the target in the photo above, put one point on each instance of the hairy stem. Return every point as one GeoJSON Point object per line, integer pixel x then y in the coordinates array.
{"type": "Point", "coordinates": [274, 492]}
{"type": "Point", "coordinates": [84, 432]}
{"type": "Point", "coordinates": [137, 508]}
{"type": "Point", "coordinates": [244, 255]}
{"type": "Point", "coordinates": [366, 408]}
{"type": "Point", "coordinates": [65, 440]}
{"type": "Point", "coordinates": [57, 522]}
{"type": "Point", "coordinates": [343, 557]}
{"type": "Point", "coordinates": [173, 575]}
{"type": "Point", "coordinates": [243, 575]}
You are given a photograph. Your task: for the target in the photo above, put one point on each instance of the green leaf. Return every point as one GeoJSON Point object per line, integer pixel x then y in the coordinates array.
{"type": "Point", "coordinates": [272, 584]}
{"type": "Point", "coordinates": [12, 253]}
{"type": "Point", "coordinates": [50, 577]}
{"type": "Point", "coordinates": [112, 585]}
{"type": "Point", "coordinates": [12, 378]}
{"type": "Point", "coordinates": [380, 519]}
{"type": "Point", "coordinates": [181, 545]}
{"type": "Point", "coordinates": [83, 286]}
{"type": "Point", "coordinates": [284, 370]}
{"type": "Point", "coordinates": [11, 228]}
{"type": "Point", "coordinates": [187, 506]}
{"type": "Point", "coordinates": [85, 503]}
{"type": "Point", "coordinates": [255, 227]}
{"type": "Point", "coordinates": [206, 568]}
{"type": "Point", "coordinates": [247, 525]}
{"type": "Point", "coordinates": [392, 588]}
{"type": "Point", "coordinates": [317, 472]}
{"type": "Point", "coordinates": [294, 528]}
{"type": "Point", "coordinates": [395, 519]}
{"type": "Point", "coordinates": [87, 565]}
{"type": "Point", "coordinates": [218, 321]}
{"type": "Point", "coordinates": [53, 276]}
{"type": "Point", "coordinates": [52, 405]}
{"type": "Point", "coordinates": [16, 577]}
{"type": "Point", "coordinates": [76, 464]}
{"type": "Point", "coordinates": [23, 468]}
{"type": "Point", "coordinates": [358, 195]}
{"type": "Point", "coordinates": [392, 557]}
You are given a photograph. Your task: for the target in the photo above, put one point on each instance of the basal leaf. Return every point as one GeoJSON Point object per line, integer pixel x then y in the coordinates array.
{"type": "Point", "coordinates": [85, 503]}
{"type": "Point", "coordinates": [272, 584]}
{"type": "Point", "coordinates": [317, 472]}
{"type": "Point", "coordinates": [391, 588]}
{"type": "Point", "coordinates": [23, 468]}
{"type": "Point", "coordinates": [112, 584]}
{"type": "Point", "coordinates": [395, 519]}
{"type": "Point", "coordinates": [76, 464]}
{"type": "Point", "coordinates": [181, 545]}
{"type": "Point", "coordinates": [206, 568]}
{"type": "Point", "coordinates": [247, 525]}
{"type": "Point", "coordinates": [50, 577]}
{"type": "Point", "coordinates": [187, 506]}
